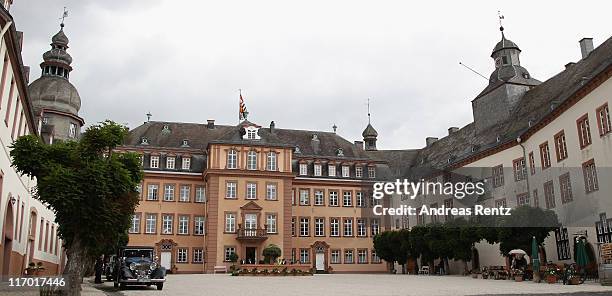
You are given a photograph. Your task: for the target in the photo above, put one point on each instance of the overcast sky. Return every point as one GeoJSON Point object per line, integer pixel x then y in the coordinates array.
{"type": "Point", "coordinates": [305, 65]}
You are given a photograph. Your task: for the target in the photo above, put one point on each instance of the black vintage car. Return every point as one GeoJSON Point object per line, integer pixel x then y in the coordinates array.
{"type": "Point", "coordinates": [138, 266]}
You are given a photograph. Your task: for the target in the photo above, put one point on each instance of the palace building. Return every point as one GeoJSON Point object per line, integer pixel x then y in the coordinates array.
{"type": "Point", "coordinates": [28, 228]}
{"type": "Point", "coordinates": [212, 190]}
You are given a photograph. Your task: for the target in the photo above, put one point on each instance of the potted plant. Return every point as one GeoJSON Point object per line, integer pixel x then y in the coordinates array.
{"type": "Point", "coordinates": [551, 274]}
{"type": "Point", "coordinates": [31, 270]}
{"type": "Point", "coordinates": [518, 274]}
{"type": "Point", "coordinates": [271, 252]}
{"type": "Point", "coordinates": [233, 257]}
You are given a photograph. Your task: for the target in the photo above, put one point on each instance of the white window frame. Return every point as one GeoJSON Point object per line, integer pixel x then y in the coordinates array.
{"type": "Point", "coordinates": [347, 227]}
{"type": "Point", "coordinates": [186, 163]}
{"type": "Point", "coordinates": [181, 255]}
{"type": "Point", "coordinates": [346, 171]}
{"type": "Point", "coordinates": [169, 192]}
{"type": "Point", "coordinates": [230, 222]}
{"type": "Point", "coordinates": [199, 225]}
{"type": "Point", "coordinates": [304, 197]}
{"type": "Point", "coordinates": [185, 194]}
{"type": "Point", "coordinates": [271, 192]}
{"type": "Point", "coordinates": [183, 224]}
{"type": "Point", "coordinates": [303, 169]}
{"type": "Point", "coordinates": [271, 225]}
{"type": "Point", "coordinates": [347, 199]}
{"type": "Point", "coordinates": [271, 164]}
{"type": "Point", "coordinates": [135, 226]}
{"type": "Point", "coordinates": [331, 170]}
{"type": "Point", "coordinates": [319, 227]}
{"type": "Point", "coordinates": [251, 190]}
{"type": "Point", "coordinates": [152, 192]}
{"type": "Point", "coordinates": [333, 198]}
{"type": "Point", "coordinates": [167, 223]}
{"type": "Point", "coordinates": [319, 197]}
{"type": "Point", "coordinates": [334, 227]}
{"type": "Point", "coordinates": [150, 223]}
{"type": "Point", "coordinates": [231, 190]}
{"type": "Point", "coordinates": [317, 170]}
{"type": "Point", "coordinates": [154, 162]}
{"type": "Point", "coordinates": [170, 162]}
{"type": "Point", "coordinates": [304, 226]}
{"type": "Point", "coordinates": [371, 172]}
{"type": "Point", "coordinates": [252, 160]}
{"type": "Point", "coordinates": [358, 172]}
{"type": "Point", "coordinates": [362, 227]}
{"type": "Point", "coordinates": [200, 194]}
{"type": "Point", "coordinates": [232, 159]}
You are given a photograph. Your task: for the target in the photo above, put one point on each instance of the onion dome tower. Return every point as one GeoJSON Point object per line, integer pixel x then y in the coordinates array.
{"type": "Point", "coordinates": [369, 134]}
{"type": "Point", "coordinates": [55, 100]}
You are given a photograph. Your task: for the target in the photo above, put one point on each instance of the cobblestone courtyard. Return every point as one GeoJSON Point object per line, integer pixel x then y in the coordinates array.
{"type": "Point", "coordinates": [353, 284]}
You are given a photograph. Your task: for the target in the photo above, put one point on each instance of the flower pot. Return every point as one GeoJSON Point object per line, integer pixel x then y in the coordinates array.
{"type": "Point", "coordinates": [518, 278]}
{"type": "Point", "coordinates": [551, 279]}
{"type": "Point", "coordinates": [574, 281]}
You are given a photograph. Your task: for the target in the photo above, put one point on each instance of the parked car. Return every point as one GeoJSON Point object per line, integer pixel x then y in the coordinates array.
{"type": "Point", "coordinates": [138, 266]}
{"type": "Point", "coordinates": [109, 267]}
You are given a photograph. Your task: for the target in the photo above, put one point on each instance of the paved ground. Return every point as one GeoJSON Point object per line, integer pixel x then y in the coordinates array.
{"type": "Point", "coordinates": [344, 284]}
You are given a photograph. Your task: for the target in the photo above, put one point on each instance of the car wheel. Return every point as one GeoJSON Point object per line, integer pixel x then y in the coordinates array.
{"type": "Point", "coordinates": [160, 286]}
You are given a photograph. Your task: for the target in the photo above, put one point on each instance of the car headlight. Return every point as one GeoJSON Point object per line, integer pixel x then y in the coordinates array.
{"type": "Point", "coordinates": [153, 266]}
{"type": "Point", "coordinates": [132, 265]}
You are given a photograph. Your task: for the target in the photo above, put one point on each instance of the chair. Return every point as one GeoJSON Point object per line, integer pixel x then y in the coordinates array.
{"type": "Point", "coordinates": [424, 270]}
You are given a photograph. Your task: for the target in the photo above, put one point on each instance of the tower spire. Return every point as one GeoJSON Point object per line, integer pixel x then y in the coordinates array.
{"type": "Point", "coordinates": [501, 17]}
{"type": "Point", "coordinates": [368, 110]}
{"type": "Point", "coordinates": [64, 16]}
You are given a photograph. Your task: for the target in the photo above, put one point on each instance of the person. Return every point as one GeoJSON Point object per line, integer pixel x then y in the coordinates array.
{"type": "Point", "coordinates": [98, 270]}
{"type": "Point", "coordinates": [440, 267]}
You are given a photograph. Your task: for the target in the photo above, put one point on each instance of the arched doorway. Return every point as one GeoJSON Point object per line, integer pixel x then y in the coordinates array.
{"type": "Point", "coordinates": [475, 259]}
{"type": "Point", "coordinates": [165, 250]}
{"type": "Point", "coordinates": [321, 259]}
{"type": "Point", "coordinates": [7, 238]}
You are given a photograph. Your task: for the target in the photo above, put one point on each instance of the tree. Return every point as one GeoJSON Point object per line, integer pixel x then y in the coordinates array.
{"type": "Point", "coordinates": [271, 252]}
{"type": "Point", "coordinates": [384, 246]}
{"type": "Point", "coordinates": [517, 230]}
{"type": "Point", "coordinates": [462, 236]}
{"type": "Point", "coordinates": [91, 190]}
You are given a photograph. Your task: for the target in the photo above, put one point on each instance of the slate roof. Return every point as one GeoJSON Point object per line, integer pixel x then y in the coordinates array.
{"type": "Point", "coordinates": [533, 106]}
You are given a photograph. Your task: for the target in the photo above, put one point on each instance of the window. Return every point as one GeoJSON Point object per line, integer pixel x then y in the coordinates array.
{"type": "Point", "coordinates": [375, 226]}
{"type": "Point", "coordinates": [348, 257]}
{"type": "Point", "coordinates": [251, 191]}
{"type": "Point", "coordinates": [304, 197]}
{"type": "Point", "coordinates": [170, 161]}
{"type": "Point", "coordinates": [501, 203]}
{"type": "Point", "coordinates": [200, 194]}
{"type": "Point", "coordinates": [522, 199]}
{"type": "Point", "coordinates": [271, 223]}
{"type": "Point", "coordinates": [185, 192]}
{"type": "Point", "coordinates": [319, 198]}
{"type": "Point", "coordinates": [434, 218]}
{"type": "Point", "coordinates": [251, 134]}
{"type": "Point", "coordinates": [232, 159]}
{"type": "Point", "coordinates": [532, 163]}
{"type": "Point", "coordinates": [152, 192]}
{"type": "Point", "coordinates": [303, 169]}
{"type": "Point", "coordinates": [348, 226]}
{"type": "Point", "coordinates": [346, 172]}
{"type": "Point", "coordinates": [333, 198]}
{"type": "Point", "coordinates": [271, 163]}
{"type": "Point", "coordinates": [304, 256]}
{"type": "Point", "coordinates": [362, 256]}
{"type": "Point", "coordinates": [361, 227]}
{"type": "Point", "coordinates": [183, 225]}
{"type": "Point", "coordinates": [604, 229]}
{"type": "Point", "coordinates": [331, 170]}
{"type": "Point", "coordinates": [230, 222]}
{"type": "Point", "coordinates": [228, 253]}
{"type": "Point", "coordinates": [334, 227]}
{"type": "Point", "coordinates": [151, 223]}
{"type": "Point", "coordinates": [549, 194]}
{"type": "Point", "coordinates": [72, 130]}
{"type": "Point", "coordinates": [271, 192]}
{"type": "Point", "coordinates": [359, 200]}
{"type": "Point", "coordinates": [590, 176]}
{"type": "Point", "coordinates": [319, 227]}
{"type": "Point", "coordinates": [154, 163]}
{"type": "Point", "coordinates": [230, 190]}
{"type": "Point", "coordinates": [545, 155]}
{"type": "Point", "coordinates": [560, 146]}
{"type": "Point", "coordinates": [448, 203]}
{"type": "Point", "coordinates": [498, 176]}
{"type": "Point", "coordinates": [375, 258]}
{"type": "Point", "coordinates": [371, 172]}
{"type": "Point", "coordinates": [536, 199]}
{"type": "Point", "coordinates": [304, 226]}
{"type": "Point", "coordinates": [358, 172]}
{"type": "Point", "coordinates": [181, 255]}
{"type": "Point", "coordinates": [584, 131]}
{"type": "Point", "coordinates": [317, 170]}
{"type": "Point", "coordinates": [563, 247]}
{"type": "Point", "coordinates": [186, 163]}
{"type": "Point", "coordinates": [335, 257]}
{"type": "Point", "coordinates": [168, 192]}
{"type": "Point", "coordinates": [167, 220]}
{"type": "Point", "coordinates": [293, 226]}
{"type": "Point", "coordinates": [520, 171]}
{"type": "Point", "coordinates": [347, 199]}
{"type": "Point", "coordinates": [135, 228]}
{"type": "Point", "coordinates": [198, 225]}
{"type": "Point", "coordinates": [603, 120]}
{"type": "Point", "coordinates": [198, 255]}
{"type": "Point", "coordinates": [565, 187]}
{"type": "Point", "coordinates": [251, 160]}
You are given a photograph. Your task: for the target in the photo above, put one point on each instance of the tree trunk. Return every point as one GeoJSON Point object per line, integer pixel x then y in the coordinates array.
{"type": "Point", "coordinates": [446, 271]}
{"type": "Point", "coordinates": [73, 273]}
{"type": "Point", "coordinates": [466, 271]}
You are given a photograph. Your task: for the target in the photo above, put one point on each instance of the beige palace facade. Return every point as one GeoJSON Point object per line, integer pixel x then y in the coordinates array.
{"type": "Point", "coordinates": [213, 190]}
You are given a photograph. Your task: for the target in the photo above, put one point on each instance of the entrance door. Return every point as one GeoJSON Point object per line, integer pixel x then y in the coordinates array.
{"type": "Point", "coordinates": [164, 260]}
{"type": "Point", "coordinates": [251, 255]}
{"type": "Point", "coordinates": [320, 262]}
{"type": "Point", "coordinates": [250, 224]}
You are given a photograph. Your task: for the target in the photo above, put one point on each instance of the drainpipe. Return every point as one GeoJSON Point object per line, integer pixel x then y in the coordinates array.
{"type": "Point", "coordinates": [520, 142]}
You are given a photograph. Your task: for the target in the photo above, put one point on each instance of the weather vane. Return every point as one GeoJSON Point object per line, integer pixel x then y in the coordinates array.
{"type": "Point", "coordinates": [501, 17]}
{"type": "Point", "coordinates": [368, 110]}
{"type": "Point", "coordinates": [64, 16]}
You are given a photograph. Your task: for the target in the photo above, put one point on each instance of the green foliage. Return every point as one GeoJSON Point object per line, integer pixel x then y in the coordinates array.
{"type": "Point", "coordinates": [91, 189]}
{"type": "Point", "coordinates": [517, 230]}
{"type": "Point", "coordinates": [233, 257]}
{"type": "Point", "coordinates": [271, 252]}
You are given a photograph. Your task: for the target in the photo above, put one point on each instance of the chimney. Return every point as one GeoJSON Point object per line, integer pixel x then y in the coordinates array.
{"type": "Point", "coordinates": [569, 65]}
{"type": "Point", "coordinates": [359, 144]}
{"type": "Point", "coordinates": [429, 141]}
{"type": "Point", "coordinates": [26, 73]}
{"type": "Point", "coordinates": [452, 129]}
{"type": "Point", "coordinates": [210, 124]}
{"type": "Point", "coordinates": [586, 46]}
{"type": "Point", "coordinates": [272, 126]}
{"type": "Point", "coordinates": [20, 40]}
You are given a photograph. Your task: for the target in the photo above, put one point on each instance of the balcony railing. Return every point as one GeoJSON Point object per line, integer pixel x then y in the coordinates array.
{"type": "Point", "coordinates": [252, 234]}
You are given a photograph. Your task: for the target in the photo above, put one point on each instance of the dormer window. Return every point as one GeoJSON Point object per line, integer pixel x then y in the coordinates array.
{"type": "Point", "coordinates": [505, 60]}
{"type": "Point", "coordinates": [340, 152]}
{"type": "Point", "coordinates": [251, 133]}
{"type": "Point", "coordinates": [144, 141]}
{"type": "Point", "coordinates": [185, 143]}
{"type": "Point", "coordinates": [297, 150]}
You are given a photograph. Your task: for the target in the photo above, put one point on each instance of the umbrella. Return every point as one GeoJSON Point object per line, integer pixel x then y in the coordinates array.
{"type": "Point", "coordinates": [581, 256]}
{"type": "Point", "coordinates": [535, 256]}
{"type": "Point", "coordinates": [517, 252]}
